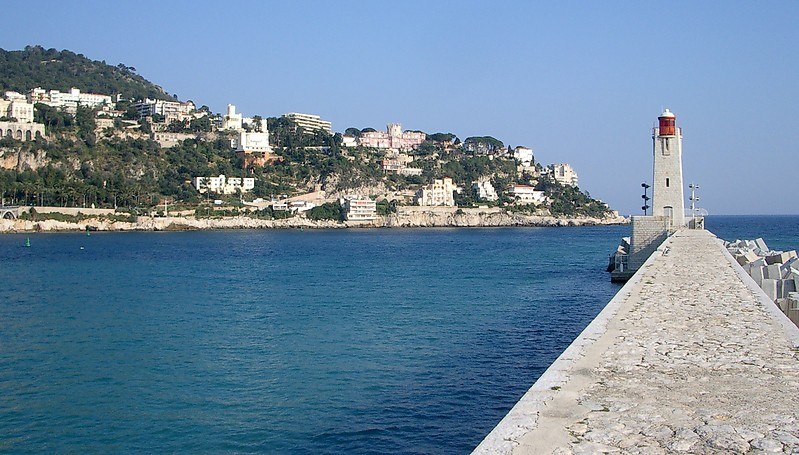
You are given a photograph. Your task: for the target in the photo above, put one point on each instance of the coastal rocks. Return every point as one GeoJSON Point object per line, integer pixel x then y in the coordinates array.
{"type": "Point", "coordinates": [338, 186]}
{"type": "Point", "coordinates": [776, 272]}
{"type": "Point", "coordinates": [491, 219]}
{"type": "Point", "coordinates": [416, 219]}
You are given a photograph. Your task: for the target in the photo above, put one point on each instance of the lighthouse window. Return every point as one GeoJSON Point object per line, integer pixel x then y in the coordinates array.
{"type": "Point", "coordinates": [666, 146]}
{"type": "Point", "coordinates": [667, 182]}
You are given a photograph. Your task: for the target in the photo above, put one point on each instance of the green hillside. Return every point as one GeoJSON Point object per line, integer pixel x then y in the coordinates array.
{"type": "Point", "coordinates": [120, 164]}
{"type": "Point", "coordinates": [36, 66]}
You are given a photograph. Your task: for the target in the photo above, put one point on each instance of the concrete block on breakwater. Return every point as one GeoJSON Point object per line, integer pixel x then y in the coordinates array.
{"type": "Point", "coordinates": [690, 356]}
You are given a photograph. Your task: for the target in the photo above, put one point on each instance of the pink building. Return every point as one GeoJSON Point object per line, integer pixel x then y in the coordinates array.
{"type": "Point", "coordinates": [393, 138]}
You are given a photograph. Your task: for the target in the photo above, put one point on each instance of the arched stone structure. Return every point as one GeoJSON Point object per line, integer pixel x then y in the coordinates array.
{"type": "Point", "coordinates": [22, 131]}
{"type": "Point", "coordinates": [9, 213]}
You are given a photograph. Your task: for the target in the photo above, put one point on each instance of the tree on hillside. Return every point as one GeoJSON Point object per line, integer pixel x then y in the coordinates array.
{"type": "Point", "coordinates": [483, 144]}
{"type": "Point", "coordinates": [257, 122]}
{"type": "Point", "coordinates": [441, 137]}
{"type": "Point", "coordinates": [24, 70]}
{"type": "Point", "coordinates": [327, 211]}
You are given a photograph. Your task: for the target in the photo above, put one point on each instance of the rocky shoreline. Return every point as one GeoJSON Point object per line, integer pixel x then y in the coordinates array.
{"type": "Point", "coordinates": [423, 219]}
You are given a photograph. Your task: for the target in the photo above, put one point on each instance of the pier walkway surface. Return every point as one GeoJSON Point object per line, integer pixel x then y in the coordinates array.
{"type": "Point", "coordinates": [690, 356]}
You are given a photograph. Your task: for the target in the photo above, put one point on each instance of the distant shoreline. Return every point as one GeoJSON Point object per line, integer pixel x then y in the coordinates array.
{"type": "Point", "coordinates": [419, 220]}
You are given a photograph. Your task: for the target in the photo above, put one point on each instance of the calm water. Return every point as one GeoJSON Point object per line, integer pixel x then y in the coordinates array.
{"type": "Point", "coordinates": [367, 341]}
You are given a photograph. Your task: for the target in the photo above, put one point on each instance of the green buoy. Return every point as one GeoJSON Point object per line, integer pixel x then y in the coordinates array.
{"type": "Point", "coordinates": [28, 242]}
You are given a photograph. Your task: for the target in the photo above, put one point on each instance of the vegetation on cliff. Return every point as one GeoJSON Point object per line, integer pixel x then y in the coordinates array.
{"type": "Point", "coordinates": [36, 66]}
{"type": "Point", "coordinates": [327, 211]}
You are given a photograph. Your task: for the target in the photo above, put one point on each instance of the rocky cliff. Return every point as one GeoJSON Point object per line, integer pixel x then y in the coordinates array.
{"type": "Point", "coordinates": [20, 160]}
{"type": "Point", "coordinates": [423, 219]}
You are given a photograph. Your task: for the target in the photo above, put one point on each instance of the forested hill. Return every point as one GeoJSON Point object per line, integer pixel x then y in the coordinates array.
{"type": "Point", "coordinates": [36, 66]}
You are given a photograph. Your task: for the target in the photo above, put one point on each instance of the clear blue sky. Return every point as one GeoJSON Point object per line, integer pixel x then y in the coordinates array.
{"type": "Point", "coordinates": [579, 82]}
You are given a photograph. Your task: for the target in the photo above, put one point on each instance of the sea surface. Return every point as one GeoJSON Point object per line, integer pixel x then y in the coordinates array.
{"type": "Point", "coordinates": [315, 341]}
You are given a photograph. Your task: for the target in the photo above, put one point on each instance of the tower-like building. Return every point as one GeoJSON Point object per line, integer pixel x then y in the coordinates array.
{"type": "Point", "coordinates": [668, 208]}
{"type": "Point", "coordinates": [667, 189]}
{"type": "Point", "coordinates": [232, 120]}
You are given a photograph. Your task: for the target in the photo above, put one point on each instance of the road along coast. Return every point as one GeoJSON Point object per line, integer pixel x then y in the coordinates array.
{"type": "Point", "coordinates": [415, 219]}
{"type": "Point", "coordinates": [689, 357]}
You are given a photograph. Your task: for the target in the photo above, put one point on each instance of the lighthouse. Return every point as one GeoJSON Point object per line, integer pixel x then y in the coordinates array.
{"type": "Point", "coordinates": [668, 210]}
{"type": "Point", "coordinates": [667, 190]}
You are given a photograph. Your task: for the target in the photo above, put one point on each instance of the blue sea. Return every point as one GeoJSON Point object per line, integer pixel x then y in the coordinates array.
{"type": "Point", "coordinates": [286, 341]}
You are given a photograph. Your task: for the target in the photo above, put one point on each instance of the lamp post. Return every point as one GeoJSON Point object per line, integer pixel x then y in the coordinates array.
{"type": "Point", "coordinates": [694, 198]}
{"type": "Point", "coordinates": [645, 198]}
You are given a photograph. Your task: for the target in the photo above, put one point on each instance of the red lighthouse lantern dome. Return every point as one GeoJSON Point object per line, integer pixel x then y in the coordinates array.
{"type": "Point", "coordinates": [667, 124]}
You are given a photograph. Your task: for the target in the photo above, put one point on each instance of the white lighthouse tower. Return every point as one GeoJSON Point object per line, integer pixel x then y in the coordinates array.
{"type": "Point", "coordinates": [667, 190]}
{"type": "Point", "coordinates": [668, 208]}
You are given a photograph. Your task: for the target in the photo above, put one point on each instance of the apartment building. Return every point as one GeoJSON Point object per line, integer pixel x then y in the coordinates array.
{"type": "Point", "coordinates": [484, 190]}
{"type": "Point", "coordinates": [439, 193]}
{"type": "Point", "coordinates": [310, 122]}
{"type": "Point", "coordinates": [564, 174]}
{"type": "Point", "coordinates": [356, 209]}
{"type": "Point", "coordinates": [223, 185]}
{"type": "Point", "coordinates": [526, 194]}
{"type": "Point", "coordinates": [170, 110]}
{"type": "Point", "coordinates": [69, 101]}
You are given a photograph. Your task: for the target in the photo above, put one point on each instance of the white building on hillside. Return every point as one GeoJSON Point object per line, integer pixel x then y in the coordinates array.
{"type": "Point", "coordinates": [170, 110]}
{"type": "Point", "coordinates": [232, 120]}
{"type": "Point", "coordinates": [17, 109]}
{"type": "Point", "coordinates": [16, 118]}
{"type": "Point", "coordinates": [253, 148]}
{"type": "Point", "coordinates": [68, 101]}
{"type": "Point", "coordinates": [395, 162]}
{"type": "Point", "coordinates": [523, 154]}
{"type": "Point", "coordinates": [223, 185]}
{"type": "Point", "coordinates": [360, 209]}
{"type": "Point", "coordinates": [564, 174]}
{"type": "Point", "coordinates": [235, 121]}
{"type": "Point", "coordinates": [252, 142]}
{"type": "Point", "coordinates": [484, 190]}
{"type": "Point", "coordinates": [526, 194]}
{"type": "Point", "coordinates": [309, 122]}
{"type": "Point", "coordinates": [14, 96]}
{"type": "Point", "coordinates": [439, 193]}
{"type": "Point", "coordinates": [349, 141]}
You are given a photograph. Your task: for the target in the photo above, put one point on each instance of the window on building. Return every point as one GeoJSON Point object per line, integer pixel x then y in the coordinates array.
{"type": "Point", "coordinates": [667, 182]}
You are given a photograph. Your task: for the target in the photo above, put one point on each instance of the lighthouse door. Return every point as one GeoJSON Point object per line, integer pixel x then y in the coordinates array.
{"type": "Point", "coordinates": [668, 212]}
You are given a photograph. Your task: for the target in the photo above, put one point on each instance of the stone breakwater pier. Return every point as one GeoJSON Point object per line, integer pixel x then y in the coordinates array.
{"type": "Point", "coordinates": [689, 357]}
